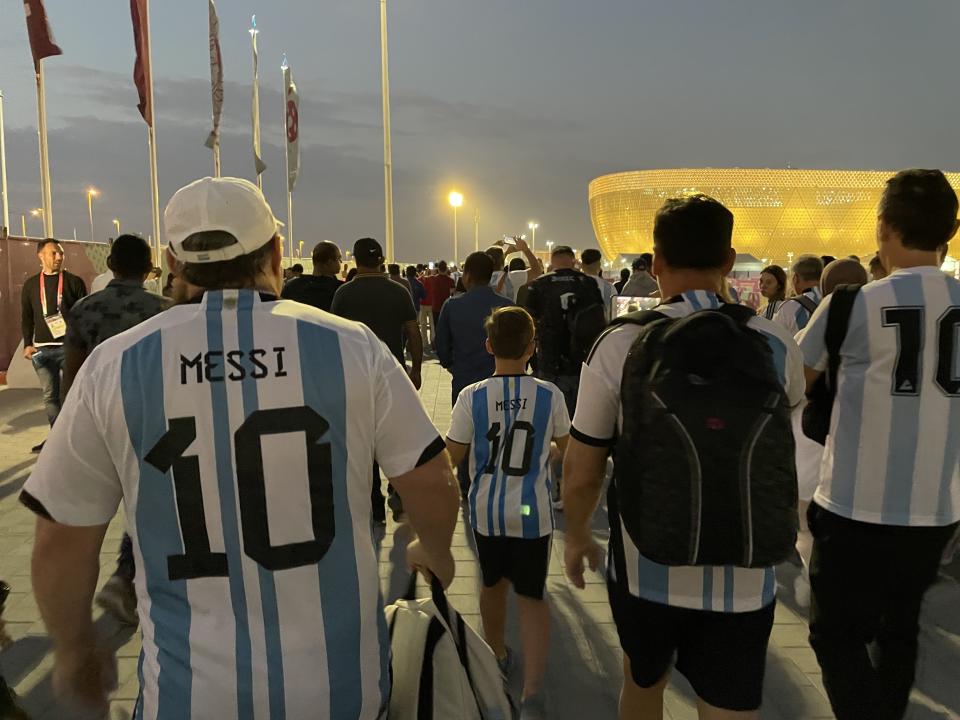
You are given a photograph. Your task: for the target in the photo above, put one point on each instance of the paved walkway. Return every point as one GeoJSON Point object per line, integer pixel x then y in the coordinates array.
{"type": "Point", "coordinates": [584, 672]}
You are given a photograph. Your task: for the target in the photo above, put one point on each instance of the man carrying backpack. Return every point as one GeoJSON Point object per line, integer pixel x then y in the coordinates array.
{"type": "Point", "coordinates": [703, 503]}
{"type": "Point", "coordinates": [795, 312]}
{"type": "Point", "coordinates": [568, 309]}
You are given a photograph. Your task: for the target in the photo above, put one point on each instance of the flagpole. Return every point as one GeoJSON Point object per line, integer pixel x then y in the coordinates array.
{"type": "Point", "coordinates": [44, 152]}
{"type": "Point", "coordinates": [216, 82]}
{"type": "Point", "coordinates": [152, 136]}
{"type": "Point", "coordinates": [3, 170]}
{"type": "Point", "coordinates": [254, 32]}
{"type": "Point", "coordinates": [284, 68]}
{"type": "Point", "coordinates": [387, 148]}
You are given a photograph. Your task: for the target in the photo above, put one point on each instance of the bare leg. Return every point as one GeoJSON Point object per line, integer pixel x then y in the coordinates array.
{"type": "Point", "coordinates": [493, 613]}
{"type": "Point", "coordinates": [535, 637]}
{"type": "Point", "coordinates": [637, 703]}
{"type": "Point", "coordinates": [709, 712]}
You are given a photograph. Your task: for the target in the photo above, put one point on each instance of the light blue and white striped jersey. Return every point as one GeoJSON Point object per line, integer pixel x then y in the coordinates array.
{"type": "Point", "coordinates": [598, 421]}
{"type": "Point", "coordinates": [509, 421]}
{"type": "Point", "coordinates": [239, 433]}
{"type": "Point", "coordinates": [794, 316]}
{"type": "Point", "coordinates": [892, 453]}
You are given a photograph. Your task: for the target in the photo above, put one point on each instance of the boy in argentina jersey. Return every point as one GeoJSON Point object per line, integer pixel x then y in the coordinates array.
{"type": "Point", "coordinates": [238, 430]}
{"type": "Point", "coordinates": [510, 420]}
{"type": "Point", "coordinates": [889, 494]}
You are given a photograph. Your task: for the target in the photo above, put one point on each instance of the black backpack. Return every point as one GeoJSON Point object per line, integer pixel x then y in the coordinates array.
{"type": "Point", "coordinates": [819, 408]}
{"type": "Point", "coordinates": [705, 466]}
{"type": "Point", "coordinates": [585, 322]}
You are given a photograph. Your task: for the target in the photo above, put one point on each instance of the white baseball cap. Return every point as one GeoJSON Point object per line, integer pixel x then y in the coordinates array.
{"type": "Point", "coordinates": [230, 205]}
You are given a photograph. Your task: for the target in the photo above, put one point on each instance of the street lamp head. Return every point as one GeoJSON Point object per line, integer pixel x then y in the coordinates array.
{"type": "Point", "coordinates": [533, 225]}
{"type": "Point", "coordinates": [456, 199]}
{"type": "Point", "coordinates": [37, 212]}
{"type": "Point", "coordinates": [93, 192]}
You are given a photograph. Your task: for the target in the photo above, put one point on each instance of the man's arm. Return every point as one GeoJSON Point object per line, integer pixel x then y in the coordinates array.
{"type": "Point", "coordinates": [431, 500]}
{"type": "Point", "coordinates": [562, 444]}
{"type": "Point", "coordinates": [444, 338]}
{"type": "Point", "coordinates": [415, 345]}
{"type": "Point", "coordinates": [583, 470]}
{"type": "Point", "coordinates": [534, 272]}
{"type": "Point", "coordinates": [65, 568]}
{"type": "Point", "coordinates": [26, 321]}
{"type": "Point", "coordinates": [458, 451]}
{"type": "Point", "coordinates": [74, 357]}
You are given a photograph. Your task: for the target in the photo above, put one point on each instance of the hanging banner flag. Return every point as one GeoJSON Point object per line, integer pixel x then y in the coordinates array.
{"type": "Point", "coordinates": [216, 76]}
{"type": "Point", "coordinates": [255, 111]}
{"type": "Point", "coordinates": [141, 68]}
{"type": "Point", "coordinates": [42, 44]}
{"type": "Point", "coordinates": [293, 127]}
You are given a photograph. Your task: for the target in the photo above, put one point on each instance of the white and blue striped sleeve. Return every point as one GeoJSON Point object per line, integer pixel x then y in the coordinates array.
{"type": "Point", "coordinates": [786, 316]}
{"type": "Point", "coordinates": [812, 339]}
{"type": "Point", "coordinates": [461, 420]}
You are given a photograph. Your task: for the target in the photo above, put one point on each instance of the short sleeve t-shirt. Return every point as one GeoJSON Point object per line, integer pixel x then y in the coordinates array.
{"type": "Point", "coordinates": [794, 316]}
{"type": "Point", "coordinates": [379, 303]}
{"type": "Point", "coordinates": [245, 480]}
{"type": "Point", "coordinates": [120, 306]}
{"type": "Point", "coordinates": [509, 422]}
{"type": "Point", "coordinates": [315, 290]}
{"type": "Point", "coordinates": [598, 420]}
{"type": "Point", "coordinates": [893, 453]}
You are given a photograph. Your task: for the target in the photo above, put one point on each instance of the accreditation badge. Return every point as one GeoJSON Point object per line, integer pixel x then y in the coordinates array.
{"type": "Point", "coordinates": [57, 325]}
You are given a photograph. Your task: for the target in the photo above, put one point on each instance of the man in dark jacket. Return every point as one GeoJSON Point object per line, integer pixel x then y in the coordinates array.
{"type": "Point", "coordinates": [554, 301]}
{"type": "Point", "coordinates": [318, 289]}
{"type": "Point", "coordinates": [45, 302]}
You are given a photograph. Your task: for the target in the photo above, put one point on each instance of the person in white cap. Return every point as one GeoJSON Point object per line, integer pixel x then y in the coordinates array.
{"type": "Point", "coordinates": [243, 463]}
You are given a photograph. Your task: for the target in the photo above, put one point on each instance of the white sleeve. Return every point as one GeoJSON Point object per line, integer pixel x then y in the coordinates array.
{"type": "Point", "coordinates": [405, 438]}
{"type": "Point", "coordinates": [812, 339]}
{"type": "Point", "coordinates": [75, 481]}
{"type": "Point", "coordinates": [461, 420]}
{"type": "Point", "coordinates": [786, 316]}
{"type": "Point", "coordinates": [561, 417]}
{"type": "Point", "coordinates": [598, 401]}
{"type": "Point", "coordinates": [796, 380]}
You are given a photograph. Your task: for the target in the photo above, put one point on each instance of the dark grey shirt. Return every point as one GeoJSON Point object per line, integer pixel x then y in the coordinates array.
{"type": "Point", "coordinates": [379, 303]}
{"type": "Point", "coordinates": [121, 305]}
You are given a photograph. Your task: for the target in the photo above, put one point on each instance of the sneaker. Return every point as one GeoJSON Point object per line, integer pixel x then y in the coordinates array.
{"type": "Point", "coordinates": [396, 507]}
{"type": "Point", "coordinates": [119, 599]}
{"type": "Point", "coordinates": [508, 664]}
{"type": "Point", "coordinates": [533, 707]}
{"type": "Point", "coordinates": [801, 589]}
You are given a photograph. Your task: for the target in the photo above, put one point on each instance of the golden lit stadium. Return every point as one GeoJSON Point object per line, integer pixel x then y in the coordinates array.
{"type": "Point", "coordinates": [825, 212]}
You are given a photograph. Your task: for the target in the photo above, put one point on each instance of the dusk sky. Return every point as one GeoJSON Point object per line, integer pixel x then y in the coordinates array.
{"type": "Point", "coordinates": [517, 103]}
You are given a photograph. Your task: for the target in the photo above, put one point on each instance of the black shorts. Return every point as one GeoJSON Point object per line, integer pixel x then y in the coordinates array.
{"type": "Point", "coordinates": [522, 561]}
{"type": "Point", "coordinates": [723, 655]}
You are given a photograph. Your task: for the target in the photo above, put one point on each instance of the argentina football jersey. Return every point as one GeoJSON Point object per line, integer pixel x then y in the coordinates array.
{"type": "Point", "coordinates": [892, 453]}
{"type": "Point", "coordinates": [509, 422]}
{"type": "Point", "coordinates": [240, 432]}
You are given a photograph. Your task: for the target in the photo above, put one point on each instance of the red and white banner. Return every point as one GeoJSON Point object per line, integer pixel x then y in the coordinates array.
{"type": "Point", "coordinates": [139, 12]}
{"type": "Point", "coordinates": [42, 44]}
{"type": "Point", "coordinates": [216, 76]}
{"type": "Point", "coordinates": [292, 99]}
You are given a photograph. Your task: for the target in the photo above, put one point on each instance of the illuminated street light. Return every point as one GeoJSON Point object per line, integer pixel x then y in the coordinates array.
{"type": "Point", "coordinates": [116, 224]}
{"type": "Point", "coordinates": [456, 202]}
{"type": "Point", "coordinates": [533, 229]}
{"type": "Point", "coordinates": [92, 192]}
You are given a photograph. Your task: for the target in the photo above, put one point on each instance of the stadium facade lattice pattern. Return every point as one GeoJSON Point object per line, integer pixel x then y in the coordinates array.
{"type": "Point", "coordinates": [825, 212]}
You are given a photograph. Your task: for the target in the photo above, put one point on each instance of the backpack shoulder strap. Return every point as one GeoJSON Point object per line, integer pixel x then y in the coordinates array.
{"type": "Point", "coordinates": [838, 321]}
{"type": "Point", "coordinates": [807, 303]}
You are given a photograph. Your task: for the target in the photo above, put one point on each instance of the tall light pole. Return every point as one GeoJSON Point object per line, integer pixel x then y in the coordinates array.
{"type": "Point", "coordinates": [533, 229]}
{"type": "Point", "coordinates": [92, 192]}
{"type": "Point", "coordinates": [116, 224]}
{"type": "Point", "coordinates": [23, 225]}
{"type": "Point", "coordinates": [5, 219]}
{"type": "Point", "coordinates": [476, 230]}
{"type": "Point", "coordinates": [456, 202]}
{"type": "Point", "coordinates": [387, 144]}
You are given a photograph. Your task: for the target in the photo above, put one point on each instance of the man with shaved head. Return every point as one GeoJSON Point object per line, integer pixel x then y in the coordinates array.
{"type": "Point", "coordinates": [842, 272]}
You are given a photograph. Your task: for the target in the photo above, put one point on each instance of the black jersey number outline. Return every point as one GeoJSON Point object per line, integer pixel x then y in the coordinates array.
{"type": "Point", "coordinates": [197, 560]}
{"type": "Point", "coordinates": [908, 370]}
{"type": "Point", "coordinates": [493, 435]}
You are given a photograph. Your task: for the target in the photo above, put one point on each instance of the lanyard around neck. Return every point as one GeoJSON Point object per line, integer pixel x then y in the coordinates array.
{"type": "Point", "coordinates": [43, 293]}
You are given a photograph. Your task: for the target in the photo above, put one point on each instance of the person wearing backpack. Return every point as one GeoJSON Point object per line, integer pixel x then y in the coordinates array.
{"type": "Point", "coordinates": [795, 312]}
{"type": "Point", "coordinates": [888, 500]}
{"type": "Point", "coordinates": [507, 423]}
{"type": "Point", "coordinates": [694, 400]}
{"type": "Point", "coordinates": [568, 309]}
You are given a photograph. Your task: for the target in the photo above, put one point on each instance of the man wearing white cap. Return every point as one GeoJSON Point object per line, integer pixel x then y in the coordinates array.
{"type": "Point", "coordinates": [225, 427]}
